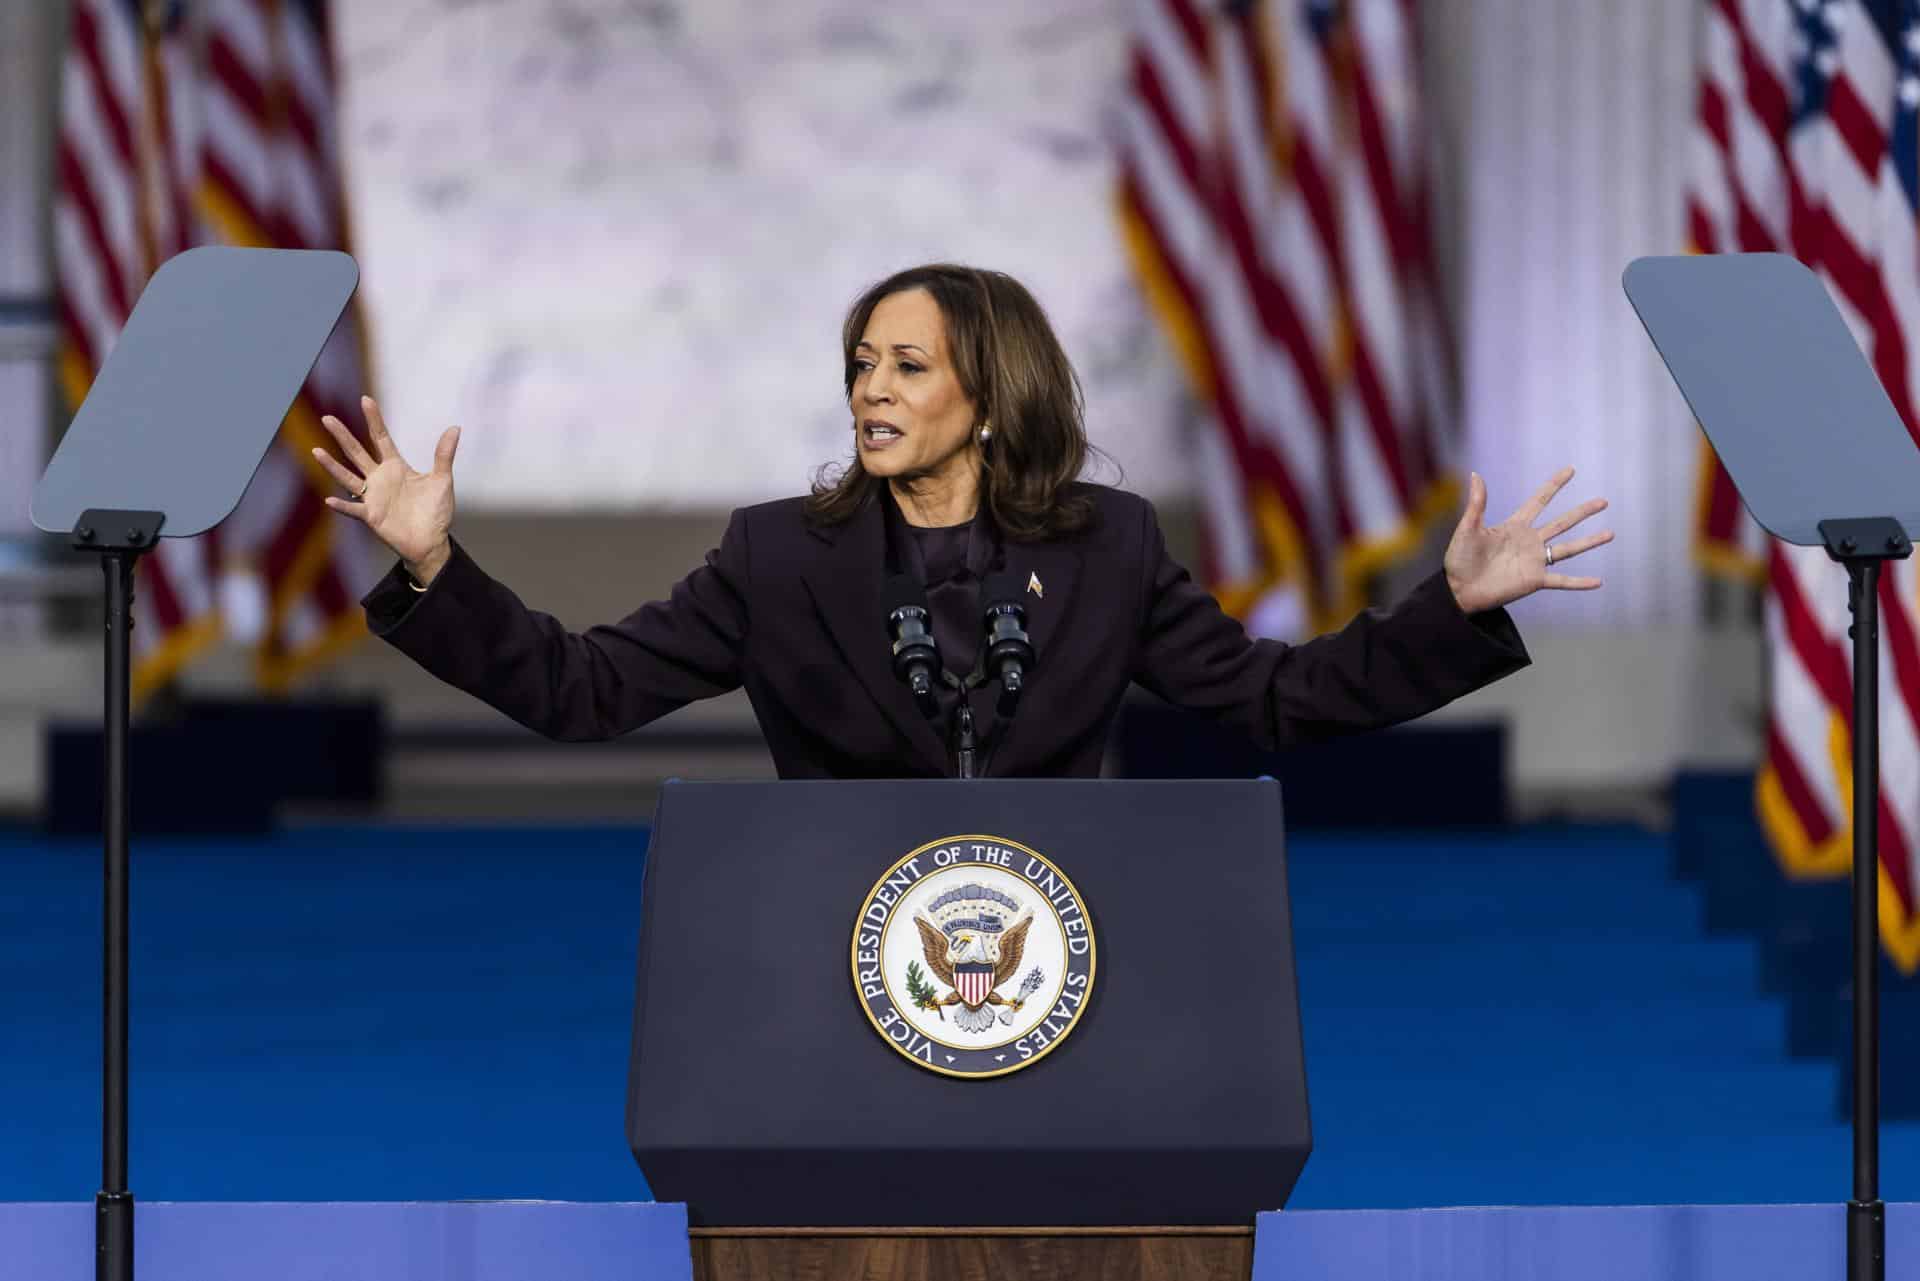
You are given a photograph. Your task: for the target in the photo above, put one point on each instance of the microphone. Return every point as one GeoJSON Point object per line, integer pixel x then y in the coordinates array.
{"type": "Point", "coordinates": [916, 658]}
{"type": "Point", "coordinates": [1009, 652]}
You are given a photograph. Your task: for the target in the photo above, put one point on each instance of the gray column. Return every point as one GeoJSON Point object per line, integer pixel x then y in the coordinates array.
{"type": "Point", "coordinates": [29, 43]}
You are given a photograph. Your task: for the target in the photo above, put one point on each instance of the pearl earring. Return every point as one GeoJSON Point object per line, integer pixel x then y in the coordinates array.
{"type": "Point", "coordinates": [986, 433]}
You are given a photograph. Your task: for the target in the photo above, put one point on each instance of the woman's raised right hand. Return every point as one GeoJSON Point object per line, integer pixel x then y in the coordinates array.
{"type": "Point", "coordinates": [410, 511]}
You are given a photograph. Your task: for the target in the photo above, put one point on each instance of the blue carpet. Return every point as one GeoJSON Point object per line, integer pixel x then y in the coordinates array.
{"type": "Point", "coordinates": [1526, 1017]}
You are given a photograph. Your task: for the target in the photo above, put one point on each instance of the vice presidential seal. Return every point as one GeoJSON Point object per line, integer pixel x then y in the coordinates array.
{"type": "Point", "coordinates": [973, 956]}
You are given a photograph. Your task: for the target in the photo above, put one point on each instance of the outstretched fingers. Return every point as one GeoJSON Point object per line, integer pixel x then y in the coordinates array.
{"type": "Point", "coordinates": [1531, 509]}
{"type": "Point", "coordinates": [1568, 583]}
{"type": "Point", "coordinates": [347, 479]}
{"type": "Point", "coordinates": [444, 451]}
{"type": "Point", "coordinates": [1567, 520]}
{"type": "Point", "coordinates": [355, 452]}
{"type": "Point", "coordinates": [377, 433]}
{"type": "Point", "coordinates": [358, 511]}
{"type": "Point", "coordinates": [1567, 551]}
{"type": "Point", "coordinates": [1476, 513]}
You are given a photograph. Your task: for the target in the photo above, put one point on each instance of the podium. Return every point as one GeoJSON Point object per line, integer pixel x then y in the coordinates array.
{"type": "Point", "coordinates": [821, 1074]}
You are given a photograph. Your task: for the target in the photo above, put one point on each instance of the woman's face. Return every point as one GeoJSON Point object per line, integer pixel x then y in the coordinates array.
{"type": "Point", "coordinates": [910, 416]}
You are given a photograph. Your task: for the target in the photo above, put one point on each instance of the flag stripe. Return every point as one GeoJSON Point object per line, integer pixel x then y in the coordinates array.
{"type": "Point", "coordinates": [79, 199]}
{"type": "Point", "coordinates": [1811, 814]}
{"type": "Point", "coordinates": [107, 104]}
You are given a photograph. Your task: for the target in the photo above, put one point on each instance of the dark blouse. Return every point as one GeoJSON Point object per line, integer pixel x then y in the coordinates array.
{"type": "Point", "coordinates": [950, 562]}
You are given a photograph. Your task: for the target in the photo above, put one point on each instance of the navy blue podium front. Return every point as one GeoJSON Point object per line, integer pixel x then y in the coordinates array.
{"type": "Point", "coordinates": [983, 1003]}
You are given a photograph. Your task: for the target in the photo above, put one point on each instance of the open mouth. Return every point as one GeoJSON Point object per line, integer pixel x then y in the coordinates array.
{"type": "Point", "coordinates": [878, 435]}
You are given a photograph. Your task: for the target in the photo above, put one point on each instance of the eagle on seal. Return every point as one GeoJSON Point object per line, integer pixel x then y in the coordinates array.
{"type": "Point", "coordinates": [974, 962]}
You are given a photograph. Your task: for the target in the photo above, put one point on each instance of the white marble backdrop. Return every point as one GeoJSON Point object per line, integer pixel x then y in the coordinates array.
{"type": "Point", "coordinates": [613, 239]}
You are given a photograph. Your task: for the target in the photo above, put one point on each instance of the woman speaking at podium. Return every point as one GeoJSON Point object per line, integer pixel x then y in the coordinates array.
{"type": "Point", "coordinates": [962, 496]}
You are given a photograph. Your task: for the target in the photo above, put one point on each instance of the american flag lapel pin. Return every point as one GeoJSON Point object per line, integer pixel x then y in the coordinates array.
{"type": "Point", "coordinates": [1033, 585]}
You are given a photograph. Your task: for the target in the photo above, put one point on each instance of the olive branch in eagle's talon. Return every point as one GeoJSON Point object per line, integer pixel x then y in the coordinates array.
{"type": "Point", "coordinates": [923, 993]}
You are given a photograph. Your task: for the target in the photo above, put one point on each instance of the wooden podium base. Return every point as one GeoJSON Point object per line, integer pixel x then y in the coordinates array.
{"type": "Point", "coordinates": [971, 1254]}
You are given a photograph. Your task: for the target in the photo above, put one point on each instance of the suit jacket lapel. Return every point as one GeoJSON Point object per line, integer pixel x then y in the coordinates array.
{"type": "Point", "coordinates": [845, 580]}
{"type": "Point", "coordinates": [1047, 574]}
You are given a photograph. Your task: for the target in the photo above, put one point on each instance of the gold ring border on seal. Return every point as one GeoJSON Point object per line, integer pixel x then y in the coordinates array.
{"type": "Point", "coordinates": [853, 952]}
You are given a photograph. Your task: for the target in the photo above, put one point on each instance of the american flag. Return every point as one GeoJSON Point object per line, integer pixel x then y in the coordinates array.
{"type": "Point", "coordinates": [1805, 144]}
{"type": "Point", "coordinates": [1273, 200]}
{"type": "Point", "coordinates": [212, 122]}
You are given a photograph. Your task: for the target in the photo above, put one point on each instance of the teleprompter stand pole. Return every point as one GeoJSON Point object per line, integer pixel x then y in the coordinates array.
{"type": "Point", "coordinates": [121, 537]}
{"type": "Point", "coordinates": [1861, 545]}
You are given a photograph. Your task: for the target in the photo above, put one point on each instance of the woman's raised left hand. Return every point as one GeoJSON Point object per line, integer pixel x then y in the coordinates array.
{"type": "Point", "coordinates": [1488, 567]}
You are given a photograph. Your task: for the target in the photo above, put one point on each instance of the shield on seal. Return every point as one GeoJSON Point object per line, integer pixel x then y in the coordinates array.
{"type": "Point", "coordinates": [975, 981]}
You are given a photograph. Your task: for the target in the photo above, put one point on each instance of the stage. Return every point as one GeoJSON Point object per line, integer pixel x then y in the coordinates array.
{"type": "Point", "coordinates": [646, 1241]}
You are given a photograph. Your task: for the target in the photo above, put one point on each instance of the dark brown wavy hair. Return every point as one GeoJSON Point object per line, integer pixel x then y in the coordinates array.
{"type": "Point", "coordinates": [1013, 369]}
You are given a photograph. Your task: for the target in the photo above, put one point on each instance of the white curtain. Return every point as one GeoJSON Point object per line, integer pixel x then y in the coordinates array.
{"type": "Point", "coordinates": [1562, 129]}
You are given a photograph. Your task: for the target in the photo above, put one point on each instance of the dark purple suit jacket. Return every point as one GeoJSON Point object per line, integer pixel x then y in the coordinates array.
{"type": "Point", "coordinates": [794, 613]}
